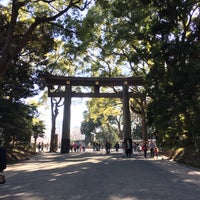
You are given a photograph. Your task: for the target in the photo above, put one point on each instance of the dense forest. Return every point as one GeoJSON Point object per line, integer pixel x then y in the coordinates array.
{"type": "Point", "coordinates": [156, 39]}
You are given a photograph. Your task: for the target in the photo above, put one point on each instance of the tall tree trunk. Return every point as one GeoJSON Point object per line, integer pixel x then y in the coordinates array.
{"type": "Point", "coordinates": [54, 114]}
{"type": "Point", "coordinates": [143, 117]}
{"type": "Point", "coordinates": [144, 127]}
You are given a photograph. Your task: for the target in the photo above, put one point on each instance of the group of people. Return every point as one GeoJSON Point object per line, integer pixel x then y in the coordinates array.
{"type": "Point", "coordinates": [41, 147]}
{"type": "Point", "coordinates": [150, 146]}
{"type": "Point", "coordinates": [77, 146]}
{"type": "Point", "coordinates": [128, 146]}
{"type": "Point", "coordinates": [96, 146]}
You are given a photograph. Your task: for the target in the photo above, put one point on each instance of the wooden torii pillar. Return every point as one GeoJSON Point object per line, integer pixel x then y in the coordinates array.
{"type": "Point", "coordinates": [96, 83]}
{"type": "Point", "coordinates": [65, 140]}
{"type": "Point", "coordinates": [126, 115]}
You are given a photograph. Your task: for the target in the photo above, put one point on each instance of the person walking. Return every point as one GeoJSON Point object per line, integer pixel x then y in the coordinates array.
{"type": "Point", "coordinates": [117, 146]}
{"type": "Point", "coordinates": [39, 147]}
{"type": "Point", "coordinates": [128, 148]}
{"type": "Point", "coordinates": [75, 147]}
{"type": "Point", "coordinates": [152, 148]}
{"type": "Point", "coordinates": [107, 147]}
{"type": "Point", "coordinates": [156, 152]}
{"type": "Point", "coordinates": [83, 146]}
{"type": "Point", "coordinates": [144, 149]}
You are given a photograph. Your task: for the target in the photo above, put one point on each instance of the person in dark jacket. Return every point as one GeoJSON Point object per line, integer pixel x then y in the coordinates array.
{"type": "Point", "coordinates": [107, 147]}
{"type": "Point", "coordinates": [117, 146]}
{"type": "Point", "coordinates": [3, 158]}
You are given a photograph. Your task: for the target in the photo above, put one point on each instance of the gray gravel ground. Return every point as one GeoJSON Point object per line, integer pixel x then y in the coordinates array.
{"type": "Point", "coordinates": [95, 176]}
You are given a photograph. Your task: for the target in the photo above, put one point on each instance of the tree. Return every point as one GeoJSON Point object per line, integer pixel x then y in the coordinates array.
{"type": "Point", "coordinates": [174, 76]}
{"type": "Point", "coordinates": [38, 130]}
{"type": "Point", "coordinates": [159, 40]}
{"type": "Point", "coordinates": [87, 127]}
{"type": "Point", "coordinates": [16, 115]}
{"type": "Point", "coordinates": [30, 43]}
{"type": "Point", "coordinates": [104, 119]}
{"type": "Point", "coordinates": [16, 122]}
{"type": "Point", "coordinates": [55, 104]}
{"type": "Point", "coordinates": [119, 47]}
{"type": "Point", "coordinates": [36, 18]}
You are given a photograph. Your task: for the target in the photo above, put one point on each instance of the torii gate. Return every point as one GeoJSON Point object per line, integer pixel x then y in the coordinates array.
{"type": "Point", "coordinates": [96, 84]}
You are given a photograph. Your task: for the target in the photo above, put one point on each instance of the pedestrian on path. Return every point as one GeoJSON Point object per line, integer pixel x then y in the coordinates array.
{"type": "Point", "coordinates": [144, 149]}
{"type": "Point", "coordinates": [152, 148]}
{"type": "Point", "coordinates": [117, 146]}
{"type": "Point", "coordinates": [128, 148]}
{"type": "Point", "coordinates": [156, 152]}
{"type": "Point", "coordinates": [107, 147]}
{"type": "Point", "coordinates": [39, 147]}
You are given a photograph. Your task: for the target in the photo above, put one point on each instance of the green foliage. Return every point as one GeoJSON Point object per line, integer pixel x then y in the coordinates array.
{"type": "Point", "coordinates": [174, 77]}
{"type": "Point", "coordinates": [38, 128]}
{"type": "Point", "coordinates": [88, 127]}
{"type": "Point", "coordinates": [16, 117]}
{"type": "Point", "coordinates": [156, 39]}
{"type": "Point", "coordinates": [104, 109]}
{"type": "Point", "coordinates": [159, 40]}
{"type": "Point", "coordinates": [30, 37]}
{"type": "Point", "coordinates": [15, 122]}
{"type": "Point", "coordinates": [19, 82]}
{"type": "Point", "coordinates": [36, 24]}
{"type": "Point", "coordinates": [137, 133]}
{"type": "Point", "coordinates": [102, 120]}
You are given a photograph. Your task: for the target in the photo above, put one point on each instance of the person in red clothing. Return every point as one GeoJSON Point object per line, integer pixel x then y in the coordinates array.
{"type": "Point", "coordinates": [156, 152]}
{"type": "Point", "coordinates": [144, 148]}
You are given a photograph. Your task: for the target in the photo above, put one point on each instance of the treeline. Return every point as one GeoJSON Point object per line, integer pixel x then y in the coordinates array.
{"type": "Point", "coordinates": [156, 39]}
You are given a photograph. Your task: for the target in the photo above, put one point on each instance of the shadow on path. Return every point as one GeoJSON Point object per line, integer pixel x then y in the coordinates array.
{"type": "Point", "coordinates": [96, 176]}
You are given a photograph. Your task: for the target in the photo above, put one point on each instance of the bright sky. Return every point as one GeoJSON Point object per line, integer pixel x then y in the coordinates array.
{"type": "Point", "coordinates": [4, 2]}
{"type": "Point", "coordinates": [77, 108]}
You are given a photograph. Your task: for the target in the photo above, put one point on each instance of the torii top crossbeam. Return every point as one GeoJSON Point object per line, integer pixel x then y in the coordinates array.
{"type": "Point", "coordinates": [92, 81]}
